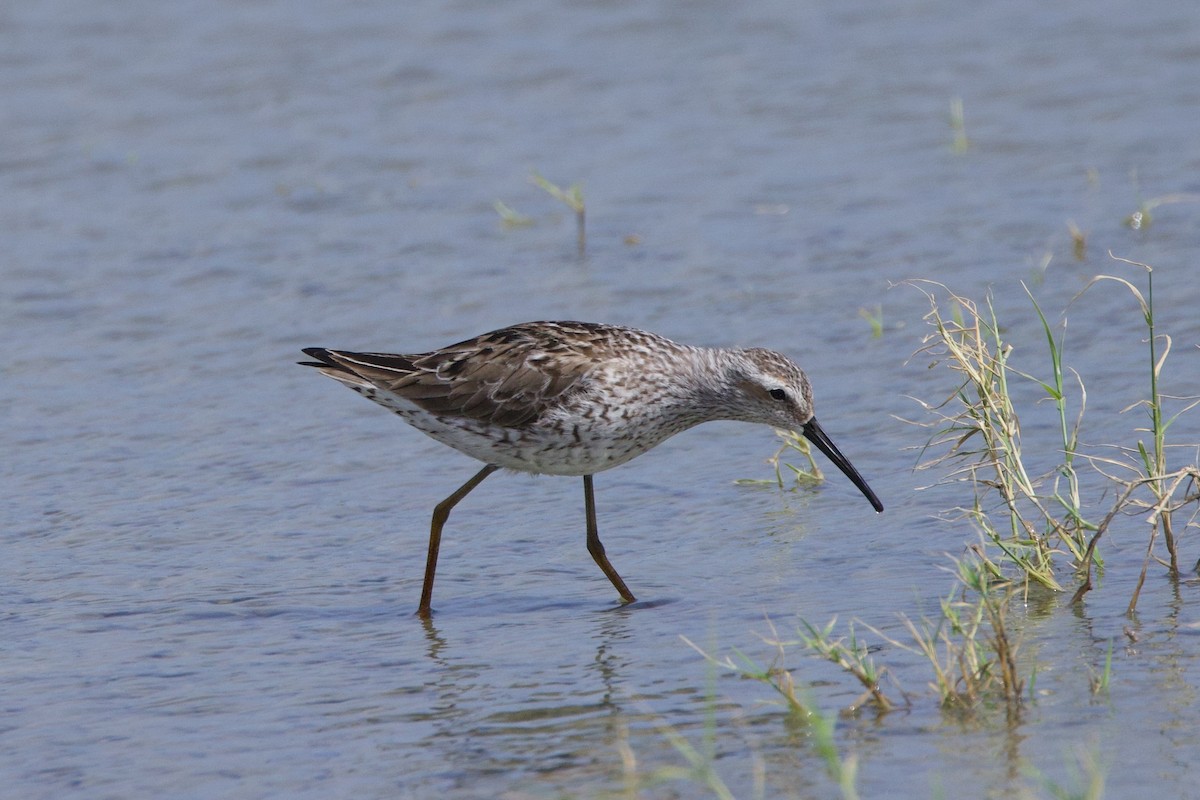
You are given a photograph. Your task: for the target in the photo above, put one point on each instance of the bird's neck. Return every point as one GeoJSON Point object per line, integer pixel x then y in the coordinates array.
{"type": "Point", "coordinates": [705, 386]}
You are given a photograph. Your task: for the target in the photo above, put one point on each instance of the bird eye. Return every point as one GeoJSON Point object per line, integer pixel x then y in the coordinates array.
{"type": "Point", "coordinates": [778, 394]}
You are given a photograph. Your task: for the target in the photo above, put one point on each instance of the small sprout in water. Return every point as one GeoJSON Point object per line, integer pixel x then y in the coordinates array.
{"type": "Point", "coordinates": [958, 125]}
{"type": "Point", "coordinates": [510, 217]}
{"type": "Point", "coordinates": [874, 318]}
{"type": "Point", "coordinates": [572, 197]}
{"type": "Point", "coordinates": [1078, 241]}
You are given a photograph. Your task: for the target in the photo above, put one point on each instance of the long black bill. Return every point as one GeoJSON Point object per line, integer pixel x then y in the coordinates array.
{"type": "Point", "coordinates": [812, 431]}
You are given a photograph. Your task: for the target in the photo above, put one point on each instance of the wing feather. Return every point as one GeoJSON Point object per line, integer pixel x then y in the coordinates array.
{"type": "Point", "coordinates": [507, 378]}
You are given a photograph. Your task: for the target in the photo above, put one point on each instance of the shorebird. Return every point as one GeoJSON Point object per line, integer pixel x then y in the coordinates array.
{"type": "Point", "coordinates": [575, 398]}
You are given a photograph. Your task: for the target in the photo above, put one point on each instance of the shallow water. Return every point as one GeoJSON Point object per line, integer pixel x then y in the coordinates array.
{"type": "Point", "coordinates": [212, 556]}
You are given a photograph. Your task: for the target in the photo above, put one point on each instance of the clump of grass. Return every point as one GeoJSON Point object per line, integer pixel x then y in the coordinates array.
{"type": "Point", "coordinates": [969, 646]}
{"type": "Point", "coordinates": [978, 431]}
{"type": "Point", "coordinates": [771, 675]}
{"type": "Point", "coordinates": [1035, 521]}
{"type": "Point", "coordinates": [852, 657]}
{"type": "Point", "coordinates": [1170, 490]}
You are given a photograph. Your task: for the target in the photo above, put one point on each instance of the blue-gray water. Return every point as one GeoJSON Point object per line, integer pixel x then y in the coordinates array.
{"type": "Point", "coordinates": [211, 556]}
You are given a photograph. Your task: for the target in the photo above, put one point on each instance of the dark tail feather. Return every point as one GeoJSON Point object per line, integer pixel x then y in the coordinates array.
{"type": "Point", "coordinates": [324, 359]}
{"type": "Point", "coordinates": [361, 364]}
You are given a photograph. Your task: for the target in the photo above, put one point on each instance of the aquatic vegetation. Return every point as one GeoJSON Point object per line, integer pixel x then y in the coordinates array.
{"type": "Point", "coordinates": [1042, 520]}
{"type": "Point", "coordinates": [852, 657]}
{"type": "Point", "coordinates": [700, 761]}
{"type": "Point", "coordinates": [969, 647]}
{"type": "Point", "coordinates": [791, 443]}
{"type": "Point", "coordinates": [1078, 241]}
{"type": "Point", "coordinates": [1040, 529]}
{"type": "Point", "coordinates": [958, 126]}
{"type": "Point", "coordinates": [572, 198]}
{"type": "Point", "coordinates": [874, 318]}
{"type": "Point", "coordinates": [1101, 680]}
{"type": "Point", "coordinates": [1141, 218]}
{"type": "Point", "coordinates": [1087, 778]}
{"type": "Point", "coordinates": [802, 710]}
{"type": "Point", "coordinates": [510, 217]}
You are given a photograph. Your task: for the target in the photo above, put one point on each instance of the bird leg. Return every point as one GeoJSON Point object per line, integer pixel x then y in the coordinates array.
{"type": "Point", "coordinates": [440, 514]}
{"type": "Point", "coordinates": [595, 547]}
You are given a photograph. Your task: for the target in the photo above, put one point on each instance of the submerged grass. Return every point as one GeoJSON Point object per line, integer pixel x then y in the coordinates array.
{"type": "Point", "coordinates": [699, 770]}
{"type": "Point", "coordinates": [802, 710]}
{"type": "Point", "coordinates": [1087, 779]}
{"type": "Point", "coordinates": [1102, 679]}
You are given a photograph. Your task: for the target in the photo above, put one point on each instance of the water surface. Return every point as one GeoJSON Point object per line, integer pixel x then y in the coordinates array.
{"type": "Point", "coordinates": [211, 556]}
